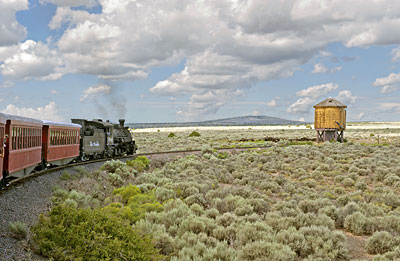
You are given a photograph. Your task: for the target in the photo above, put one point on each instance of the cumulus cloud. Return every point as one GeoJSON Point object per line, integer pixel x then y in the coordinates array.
{"type": "Point", "coordinates": [47, 112]}
{"type": "Point", "coordinates": [396, 54]}
{"type": "Point", "coordinates": [310, 97]}
{"type": "Point", "coordinates": [317, 91]}
{"type": "Point", "coordinates": [388, 84]}
{"type": "Point", "coordinates": [388, 89]}
{"type": "Point", "coordinates": [390, 106]}
{"type": "Point", "coordinates": [207, 103]}
{"type": "Point", "coordinates": [11, 32]}
{"type": "Point", "coordinates": [302, 105]}
{"type": "Point", "coordinates": [32, 60]}
{"type": "Point", "coordinates": [273, 102]}
{"type": "Point", "coordinates": [94, 91]}
{"type": "Point", "coordinates": [228, 45]}
{"type": "Point", "coordinates": [319, 68]}
{"type": "Point", "coordinates": [71, 3]}
{"type": "Point", "coordinates": [346, 97]}
{"type": "Point", "coordinates": [66, 16]}
{"type": "Point", "coordinates": [392, 78]}
{"type": "Point", "coordinates": [359, 116]}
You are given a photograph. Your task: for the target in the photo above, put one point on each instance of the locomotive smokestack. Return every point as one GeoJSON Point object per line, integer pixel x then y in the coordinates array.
{"type": "Point", "coordinates": [121, 123]}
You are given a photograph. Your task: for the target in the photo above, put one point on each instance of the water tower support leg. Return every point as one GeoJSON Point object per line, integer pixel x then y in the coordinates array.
{"type": "Point", "coordinates": [320, 135]}
{"type": "Point", "coordinates": [341, 136]}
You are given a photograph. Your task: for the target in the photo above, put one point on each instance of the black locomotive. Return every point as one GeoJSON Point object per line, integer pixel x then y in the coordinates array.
{"type": "Point", "coordinates": [102, 139]}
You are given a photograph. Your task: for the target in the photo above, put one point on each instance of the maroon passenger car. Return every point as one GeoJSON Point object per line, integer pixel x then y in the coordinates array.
{"type": "Point", "coordinates": [2, 136]}
{"type": "Point", "coordinates": [23, 147]}
{"type": "Point", "coordinates": [60, 142]}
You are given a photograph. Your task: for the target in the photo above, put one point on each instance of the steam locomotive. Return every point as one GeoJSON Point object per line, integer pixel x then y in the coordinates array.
{"type": "Point", "coordinates": [101, 139]}
{"type": "Point", "coordinates": [31, 144]}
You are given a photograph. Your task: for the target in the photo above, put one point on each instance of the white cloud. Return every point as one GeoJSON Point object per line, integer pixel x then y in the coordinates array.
{"type": "Point", "coordinates": [325, 54]}
{"type": "Point", "coordinates": [11, 32]}
{"type": "Point", "coordinates": [346, 97]}
{"type": "Point", "coordinates": [301, 106]}
{"type": "Point", "coordinates": [65, 16]}
{"type": "Point", "coordinates": [310, 97]}
{"type": "Point", "coordinates": [319, 68]}
{"type": "Point", "coordinates": [32, 60]}
{"type": "Point", "coordinates": [95, 91]}
{"type": "Point", "coordinates": [6, 84]}
{"type": "Point", "coordinates": [227, 45]}
{"type": "Point", "coordinates": [392, 78]}
{"type": "Point", "coordinates": [388, 83]}
{"type": "Point", "coordinates": [359, 116]}
{"type": "Point", "coordinates": [207, 103]}
{"type": "Point", "coordinates": [272, 103]}
{"type": "Point", "coordinates": [388, 89]}
{"type": "Point", "coordinates": [396, 54]}
{"type": "Point", "coordinates": [255, 113]}
{"type": "Point", "coordinates": [317, 91]}
{"type": "Point", "coordinates": [71, 3]}
{"type": "Point", "coordinates": [390, 106]}
{"type": "Point", "coordinates": [48, 112]}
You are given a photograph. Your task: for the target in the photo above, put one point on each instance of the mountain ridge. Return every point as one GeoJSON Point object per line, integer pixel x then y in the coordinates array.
{"type": "Point", "coordinates": [232, 121]}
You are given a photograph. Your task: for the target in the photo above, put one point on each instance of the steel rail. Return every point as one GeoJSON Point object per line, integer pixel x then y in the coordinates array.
{"type": "Point", "coordinates": [15, 181]}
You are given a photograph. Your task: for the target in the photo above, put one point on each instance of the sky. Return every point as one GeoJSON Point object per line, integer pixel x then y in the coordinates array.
{"type": "Point", "coordinates": [187, 60]}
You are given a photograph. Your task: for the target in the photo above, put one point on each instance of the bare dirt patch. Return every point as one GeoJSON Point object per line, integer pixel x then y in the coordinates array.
{"type": "Point", "coordinates": [356, 245]}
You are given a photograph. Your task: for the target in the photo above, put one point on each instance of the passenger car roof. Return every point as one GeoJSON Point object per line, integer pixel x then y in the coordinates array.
{"type": "Point", "coordinates": [20, 118]}
{"type": "Point", "coordinates": [61, 124]}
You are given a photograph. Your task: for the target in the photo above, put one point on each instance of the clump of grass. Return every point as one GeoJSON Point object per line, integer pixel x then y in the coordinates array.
{"type": "Point", "coordinates": [171, 135]}
{"type": "Point", "coordinates": [65, 175]}
{"type": "Point", "coordinates": [19, 229]}
{"type": "Point", "coordinates": [194, 134]}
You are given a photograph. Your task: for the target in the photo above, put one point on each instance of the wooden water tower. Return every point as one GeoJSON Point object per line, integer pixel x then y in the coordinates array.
{"type": "Point", "coordinates": [330, 120]}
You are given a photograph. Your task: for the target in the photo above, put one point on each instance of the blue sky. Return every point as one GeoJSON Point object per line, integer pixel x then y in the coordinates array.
{"type": "Point", "coordinates": [162, 61]}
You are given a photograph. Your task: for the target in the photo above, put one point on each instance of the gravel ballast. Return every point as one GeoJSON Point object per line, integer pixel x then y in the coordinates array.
{"type": "Point", "coordinates": [25, 202]}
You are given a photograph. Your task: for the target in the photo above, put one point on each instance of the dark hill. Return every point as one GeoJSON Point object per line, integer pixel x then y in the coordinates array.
{"type": "Point", "coordinates": [235, 121]}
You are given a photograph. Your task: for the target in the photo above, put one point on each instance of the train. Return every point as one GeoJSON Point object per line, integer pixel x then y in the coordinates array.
{"type": "Point", "coordinates": [31, 145]}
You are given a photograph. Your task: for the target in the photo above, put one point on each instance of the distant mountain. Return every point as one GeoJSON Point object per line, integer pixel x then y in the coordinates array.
{"type": "Point", "coordinates": [235, 121]}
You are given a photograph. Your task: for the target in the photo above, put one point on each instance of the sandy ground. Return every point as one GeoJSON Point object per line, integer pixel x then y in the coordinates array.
{"type": "Point", "coordinates": [350, 126]}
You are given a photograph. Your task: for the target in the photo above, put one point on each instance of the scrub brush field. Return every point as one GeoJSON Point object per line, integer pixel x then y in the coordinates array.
{"type": "Point", "coordinates": [293, 200]}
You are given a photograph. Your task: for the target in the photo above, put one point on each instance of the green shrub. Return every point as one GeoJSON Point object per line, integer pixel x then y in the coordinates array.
{"type": "Point", "coordinates": [348, 182]}
{"type": "Point", "coordinates": [380, 243]}
{"type": "Point", "coordinates": [19, 229]}
{"type": "Point", "coordinates": [112, 165]}
{"type": "Point", "coordinates": [144, 160]}
{"type": "Point", "coordinates": [356, 223]}
{"type": "Point", "coordinates": [86, 234]}
{"type": "Point", "coordinates": [293, 239]}
{"type": "Point", "coordinates": [222, 155]}
{"type": "Point", "coordinates": [171, 135]}
{"type": "Point", "coordinates": [140, 163]}
{"type": "Point", "coordinates": [392, 255]}
{"type": "Point", "coordinates": [324, 243]}
{"type": "Point", "coordinates": [127, 192]}
{"type": "Point", "coordinates": [194, 134]}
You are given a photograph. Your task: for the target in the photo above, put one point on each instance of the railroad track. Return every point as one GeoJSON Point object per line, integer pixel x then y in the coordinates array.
{"type": "Point", "coordinates": [15, 181]}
